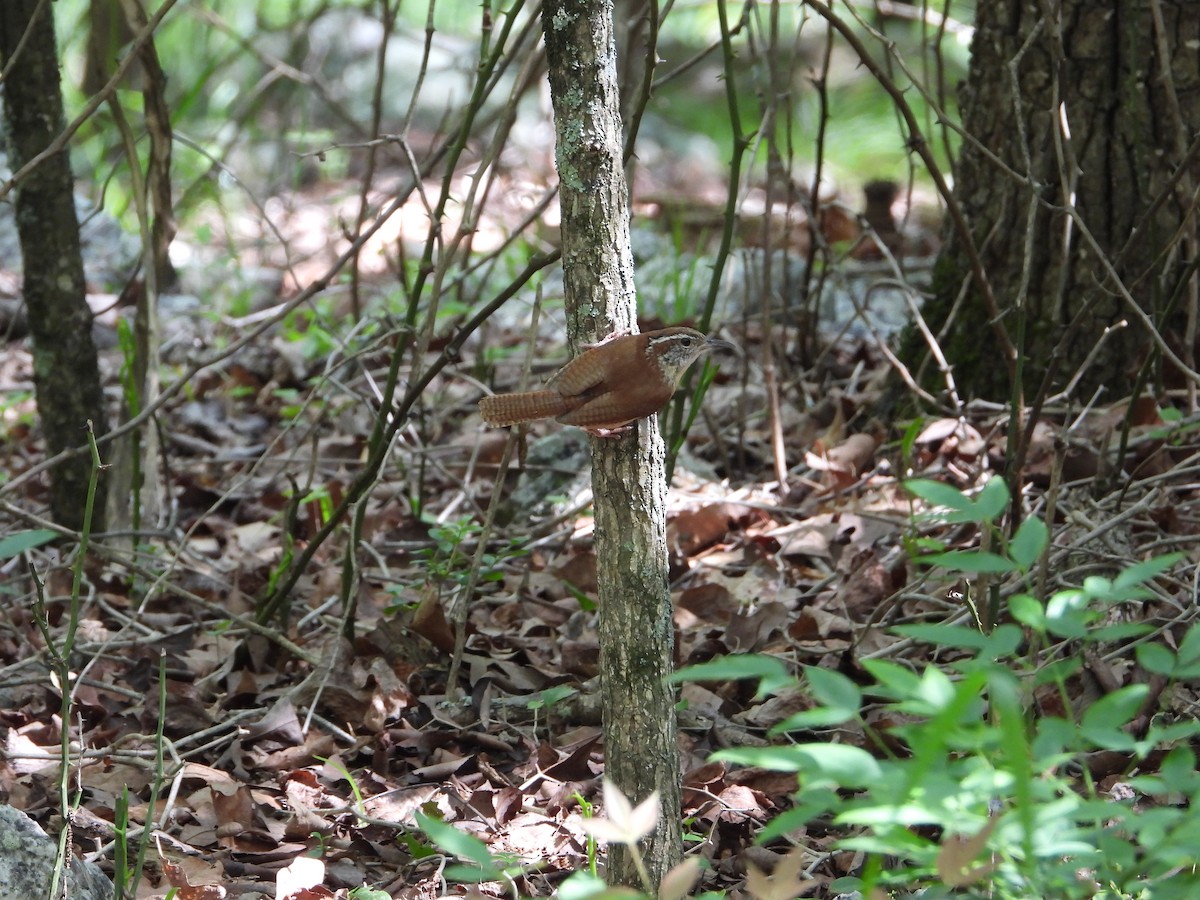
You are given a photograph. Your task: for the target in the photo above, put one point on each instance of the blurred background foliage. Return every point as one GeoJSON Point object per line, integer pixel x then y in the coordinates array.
{"type": "Point", "coordinates": [259, 90]}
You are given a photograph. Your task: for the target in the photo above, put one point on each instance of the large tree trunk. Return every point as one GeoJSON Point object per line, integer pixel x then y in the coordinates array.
{"type": "Point", "coordinates": [628, 482]}
{"type": "Point", "coordinates": [66, 371]}
{"type": "Point", "coordinates": [1095, 108]}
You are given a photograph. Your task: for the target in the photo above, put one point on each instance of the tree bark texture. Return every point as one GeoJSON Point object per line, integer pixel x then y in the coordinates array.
{"type": "Point", "coordinates": [1083, 103]}
{"type": "Point", "coordinates": [66, 371]}
{"type": "Point", "coordinates": [628, 480]}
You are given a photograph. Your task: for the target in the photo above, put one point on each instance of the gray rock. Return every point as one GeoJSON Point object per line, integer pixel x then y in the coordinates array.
{"type": "Point", "coordinates": [27, 858]}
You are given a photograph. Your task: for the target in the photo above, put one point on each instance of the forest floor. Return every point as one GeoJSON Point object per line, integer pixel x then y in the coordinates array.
{"type": "Point", "coordinates": [287, 741]}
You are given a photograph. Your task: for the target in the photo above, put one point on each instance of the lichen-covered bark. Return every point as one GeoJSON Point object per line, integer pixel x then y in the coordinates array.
{"type": "Point", "coordinates": [66, 372]}
{"type": "Point", "coordinates": [1125, 143]}
{"type": "Point", "coordinates": [636, 637]}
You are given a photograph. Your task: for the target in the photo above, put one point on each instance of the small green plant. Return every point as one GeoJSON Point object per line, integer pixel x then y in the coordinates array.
{"type": "Point", "coordinates": [17, 408]}
{"type": "Point", "coordinates": [971, 793]}
{"type": "Point", "coordinates": [480, 864]}
{"type": "Point", "coordinates": [448, 561]}
{"type": "Point", "coordinates": [588, 809]}
{"type": "Point", "coordinates": [292, 402]}
{"type": "Point", "coordinates": [997, 554]}
{"type": "Point", "coordinates": [321, 845]}
{"type": "Point", "coordinates": [675, 279]}
{"type": "Point", "coordinates": [315, 329]}
{"type": "Point", "coordinates": [622, 823]}
{"type": "Point", "coordinates": [21, 541]}
{"type": "Point", "coordinates": [366, 893]}
{"type": "Point", "coordinates": [953, 507]}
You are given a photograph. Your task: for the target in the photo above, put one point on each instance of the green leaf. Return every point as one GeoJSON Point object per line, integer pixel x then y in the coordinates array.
{"type": "Point", "coordinates": [1189, 654]}
{"type": "Point", "coordinates": [833, 688]}
{"type": "Point", "coordinates": [550, 696]}
{"type": "Point", "coordinates": [1164, 735]}
{"type": "Point", "coordinates": [16, 544]}
{"type": "Point", "coordinates": [1155, 658]}
{"type": "Point", "coordinates": [969, 561]}
{"type": "Point", "coordinates": [1028, 543]}
{"type": "Point", "coordinates": [810, 803]}
{"type": "Point", "coordinates": [586, 886]}
{"type": "Point", "coordinates": [1003, 641]}
{"type": "Point", "coordinates": [464, 874]}
{"type": "Point", "coordinates": [1179, 769]}
{"type": "Point", "coordinates": [1097, 587]}
{"type": "Point", "coordinates": [1067, 614]}
{"type": "Point", "coordinates": [993, 499]}
{"type": "Point", "coordinates": [1119, 631]}
{"type": "Point", "coordinates": [949, 503]}
{"type": "Point", "coordinates": [1104, 719]}
{"type": "Point", "coordinates": [1143, 571]}
{"type": "Point", "coordinates": [840, 697]}
{"type": "Point", "coordinates": [1058, 671]}
{"type": "Point", "coordinates": [911, 433]}
{"type": "Point", "coordinates": [904, 815]}
{"type": "Point", "coordinates": [936, 493]}
{"type": "Point", "coordinates": [1028, 611]}
{"type": "Point", "coordinates": [893, 679]}
{"type": "Point", "coordinates": [457, 843]}
{"type": "Point", "coordinates": [936, 688]}
{"type": "Point", "coordinates": [1000, 642]}
{"type": "Point", "coordinates": [840, 764]}
{"type": "Point", "coordinates": [416, 847]}
{"type": "Point", "coordinates": [773, 675]}
{"type": "Point", "coordinates": [806, 720]}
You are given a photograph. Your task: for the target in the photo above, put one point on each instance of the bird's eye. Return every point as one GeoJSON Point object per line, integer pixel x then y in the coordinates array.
{"type": "Point", "coordinates": [687, 342]}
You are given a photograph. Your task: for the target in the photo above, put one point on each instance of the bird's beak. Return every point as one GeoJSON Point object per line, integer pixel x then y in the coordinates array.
{"type": "Point", "coordinates": [716, 345]}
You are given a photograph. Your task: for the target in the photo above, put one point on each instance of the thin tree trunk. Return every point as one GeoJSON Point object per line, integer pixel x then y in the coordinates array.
{"type": "Point", "coordinates": [66, 371]}
{"type": "Point", "coordinates": [628, 480]}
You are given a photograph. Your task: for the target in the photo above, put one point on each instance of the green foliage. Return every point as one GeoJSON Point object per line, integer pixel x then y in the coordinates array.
{"type": "Point", "coordinates": [317, 331]}
{"type": "Point", "coordinates": [953, 507]}
{"type": "Point", "coordinates": [862, 134]}
{"type": "Point", "coordinates": [481, 864]}
{"type": "Point", "coordinates": [770, 672]}
{"type": "Point", "coordinates": [366, 893]}
{"type": "Point", "coordinates": [671, 281]}
{"type": "Point", "coordinates": [21, 541]}
{"type": "Point", "coordinates": [16, 408]}
{"type": "Point", "coordinates": [588, 809]}
{"type": "Point", "coordinates": [1012, 556]}
{"type": "Point", "coordinates": [622, 824]}
{"type": "Point", "coordinates": [129, 386]}
{"type": "Point", "coordinates": [448, 561]}
{"type": "Point", "coordinates": [972, 794]}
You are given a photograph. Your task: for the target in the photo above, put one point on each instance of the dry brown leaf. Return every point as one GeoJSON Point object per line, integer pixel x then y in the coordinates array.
{"type": "Point", "coordinates": [785, 883]}
{"type": "Point", "coordinates": [749, 630]}
{"type": "Point", "coordinates": [954, 860]}
{"type": "Point", "coordinates": [690, 531]}
{"type": "Point", "coordinates": [429, 620]}
{"type": "Point", "coordinates": [846, 461]}
{"type": "Point", "coordinates": [708, 601]}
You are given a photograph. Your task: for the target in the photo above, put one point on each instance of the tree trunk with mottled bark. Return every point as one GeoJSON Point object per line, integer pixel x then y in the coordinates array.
{"type": "Point", "coordinates": [66, 371]}
{"type": "Point", "coordinates": [628, 480]}
{"type": "Point", "coordinates": [1078, 179]}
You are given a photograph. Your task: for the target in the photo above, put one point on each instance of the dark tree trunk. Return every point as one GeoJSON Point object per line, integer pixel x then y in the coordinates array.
{"type": "Point", "coordinates": [1128, 92]}
{"type": "Point", "coordinates": [65, 366]}
{"type": "Point", "coordinates": [641, 753]}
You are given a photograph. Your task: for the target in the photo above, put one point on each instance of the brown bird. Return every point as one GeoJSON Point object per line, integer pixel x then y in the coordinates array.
{"type": "Point", "coordinates": [616, 382]}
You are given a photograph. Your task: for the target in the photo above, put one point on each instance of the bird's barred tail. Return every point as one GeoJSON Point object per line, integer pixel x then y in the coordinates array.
{"type": "Point", "coordinates": [514, 409]}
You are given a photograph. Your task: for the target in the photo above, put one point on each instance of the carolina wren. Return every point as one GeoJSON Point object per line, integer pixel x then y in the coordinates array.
{"type": "Point", "coordinates": [609, 385]}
